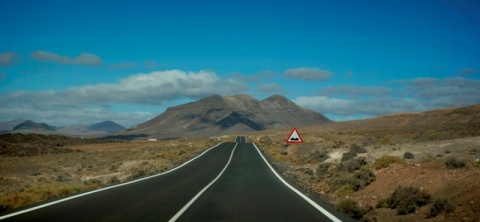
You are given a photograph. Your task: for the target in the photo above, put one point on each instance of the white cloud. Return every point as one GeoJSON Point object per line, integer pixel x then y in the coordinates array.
{"type": "Point", "coordinates": [348, 108]}
{"type": "Point", "coordinates": [155, 88]}
{"type": "Point", "coordinates": [448, 92]}
{"type": "Point", "coordinates": [422, 94]}
{"type": "Point", "coordinates": [324, 104]}
{"type": "Point", "coordinates": [355, 91]}
{"type": "Point", "coordinates": [144, 89]}
{"type": "Point", "coordinates": [7, 58]}
{"type": "Point", "coordinates": [269, 87]}
{"type": "Point", "coordinates": [309, 74]}
{"type": "Point", "coordinates": [84, 58]}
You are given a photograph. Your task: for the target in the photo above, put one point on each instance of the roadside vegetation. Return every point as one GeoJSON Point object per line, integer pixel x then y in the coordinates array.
{"type": "Point", "coordinates": [84, 166]}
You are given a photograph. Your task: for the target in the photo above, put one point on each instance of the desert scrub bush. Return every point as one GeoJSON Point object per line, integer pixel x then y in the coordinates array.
{"type": "Point", "coordinates": [355, 182]}
{"type": "Point", "coordinates": [387, 160]}
{"type": "Point", "coordinates": [362, 178]}
{"type": "Point", "coordinates": [348, 155]}
{"type": "Point", "coordinates": [382, 203]}
{"type": "Point", "coordinates": [92, 184]}
{"type": "Point", "coordinates": [322, 170]}
{"type": "Point", "coordinates": [344, 190]}
{"type": "Point", "coordinates": [387, 140]}
{"type": "Point", "coordinates": [352, 208]}
{"type": "Point", "coordinates": [408, 155]}
{"type": "Point", "coordinates": [265, 141]}
{"type": "Point", "coordinates": [357, 149]}
{"type": "Point", "coordinates": [340, 179]}
{"type": "Point", "coordinates": [407, 199]}
{"type": "Point", "coordinates": [114, 180]}
{"type": "Point", "coordinates": [318, 156]}
{"type": "Point", "coordinates": [353, 164]}
{"type": "Point", "coordinates": [439, 206]}
{"type": "Point", "coordinates": [36, 194]}
{"type": "Point", "coordinates": [16, 200]}
{"type": "Point", "coordinates": [453, 163]}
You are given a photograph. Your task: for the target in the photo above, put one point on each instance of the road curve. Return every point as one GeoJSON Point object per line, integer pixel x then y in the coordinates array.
{"type": "Point", "coordinates": [230, 182]}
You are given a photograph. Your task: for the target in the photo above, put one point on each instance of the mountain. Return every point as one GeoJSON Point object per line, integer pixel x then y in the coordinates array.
{"type": "Point", "coordinates": [9, 125]}
{"type": "Point", "coordinates": [30, 126]}
{"type": "Point", "coordinates": [105, 127]}
{"type": "Point", "coordinates": [220, 115]}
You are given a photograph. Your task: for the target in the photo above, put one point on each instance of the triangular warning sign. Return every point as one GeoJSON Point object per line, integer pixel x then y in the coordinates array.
{"type": "Point", "coordinates": [294, 137]}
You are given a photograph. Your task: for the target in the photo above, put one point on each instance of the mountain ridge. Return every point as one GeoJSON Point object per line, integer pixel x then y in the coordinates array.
{"type": "Point", "coordinates": [219, 115]}
{"type": "Point", "coordinates": [25, 126]}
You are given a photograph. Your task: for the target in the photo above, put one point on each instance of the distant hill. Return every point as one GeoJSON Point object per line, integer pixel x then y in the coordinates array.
{"type": "Point", "coordinates": [105, 127]}
{"type": "Point", "coordinates": [221, 115]}
{"type": "Point", "coordinates": [27, 126]}
{"type": "Point", "coordinates": [466, 116]}
{"type": "Point", "coordinates": [9, 125]}
{"type": "Point", "coordinates": [30, 126]}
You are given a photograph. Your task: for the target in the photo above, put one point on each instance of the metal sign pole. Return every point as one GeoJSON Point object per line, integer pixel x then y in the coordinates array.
{"type": "Point", "coordinates": [294, 158]}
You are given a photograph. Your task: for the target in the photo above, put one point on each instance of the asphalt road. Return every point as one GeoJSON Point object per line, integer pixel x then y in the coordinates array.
{"type": "Point", "coordinates": [230, 182]}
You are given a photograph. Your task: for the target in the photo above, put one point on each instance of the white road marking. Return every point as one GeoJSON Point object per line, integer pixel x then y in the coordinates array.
{"type": "Point", "coordinates": [311, 202]}
{"type": "Point", "coordinates": [102, 189]}
{"type": "Point", "coordinates": [179, 213]}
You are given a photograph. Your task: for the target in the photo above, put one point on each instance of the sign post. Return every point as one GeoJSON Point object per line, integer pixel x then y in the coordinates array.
{"type": "Point", "coordinates": [294, 138]}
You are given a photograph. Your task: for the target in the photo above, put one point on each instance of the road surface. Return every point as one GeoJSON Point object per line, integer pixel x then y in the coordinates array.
{"type": "Point", "coordinates": [229, 182]}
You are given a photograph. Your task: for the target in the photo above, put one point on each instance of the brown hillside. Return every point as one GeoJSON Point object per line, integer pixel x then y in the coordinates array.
{"type": "Point", "coordinates": [221, 115]}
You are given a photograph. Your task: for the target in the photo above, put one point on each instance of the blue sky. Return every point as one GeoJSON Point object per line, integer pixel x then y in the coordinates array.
{"type": "Point", "coordinates": [81, 62]}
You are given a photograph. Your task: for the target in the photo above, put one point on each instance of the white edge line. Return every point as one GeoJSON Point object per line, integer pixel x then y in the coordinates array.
{"type": "Point", "coordinates": [310, 201]}
{"type": "Point", "coordinates": [179, 213]}
{"type": "Point", "coordinates": [102, 189]}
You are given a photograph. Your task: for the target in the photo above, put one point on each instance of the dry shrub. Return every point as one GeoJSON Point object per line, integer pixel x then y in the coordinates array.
{"type": "Point", "coordinates": [349, 155]}
{"type": "Point", "coordinates": [352, 165]}
{"type": "Point", "coordinates": [356, 181]}
{"type": "Point", "coordinates": [357, 149]}
{"type": "Point", "coordinates": [352, 208]}
{"type": "Point", "coordinates": [408, 155]}
{"type": "Point", "coordinates": [439, 206]}
{"type": "Point", "coordinates": [15, 200]}
{"type": "Point", "coordinates": [322, 170]}
{"type": "Point", "coordinates": [387, 160]}
{"type": "Point", "coordinates": [36, 194]}
{"type": "Point", "coordinates": [339, 180]}
{"type": "Point", "coordinates": [317, 156]}
{"type": "Point", "coordinates": [453, 163]}
{"type": "Point", "coordinates": [407, 199]}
